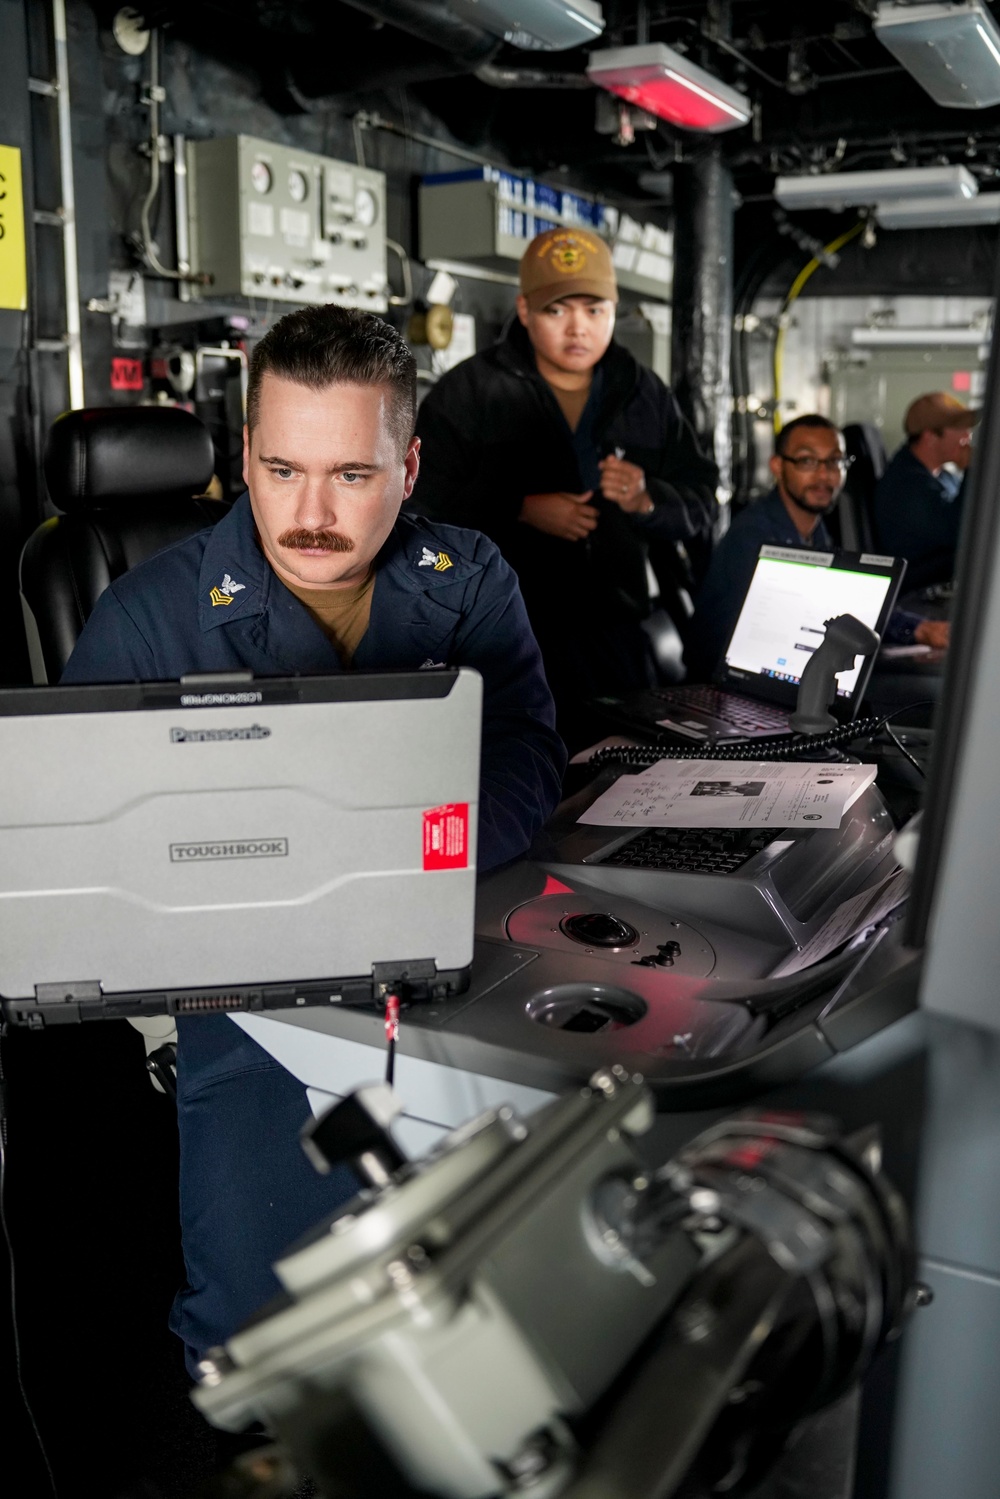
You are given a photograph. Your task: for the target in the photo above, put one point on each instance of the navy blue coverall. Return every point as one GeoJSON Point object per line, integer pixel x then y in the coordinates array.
{"type": "Point", "coordinates": [918, 515]}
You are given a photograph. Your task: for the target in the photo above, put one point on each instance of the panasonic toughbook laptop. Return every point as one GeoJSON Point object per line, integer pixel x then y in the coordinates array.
{"type": "Point", "coordinates": [781, 622]}
{"type": "Point", "coordinates": [236, 844]}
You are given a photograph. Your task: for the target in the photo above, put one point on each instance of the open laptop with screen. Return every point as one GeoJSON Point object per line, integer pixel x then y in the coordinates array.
{"type": "Point", "coordinates": [236, 844]}
{"type": "Point", "coordinates": [781, 622]}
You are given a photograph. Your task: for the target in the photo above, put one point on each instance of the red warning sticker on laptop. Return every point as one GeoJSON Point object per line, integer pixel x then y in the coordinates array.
{"type": "Point", "coordinates": [446, 837]}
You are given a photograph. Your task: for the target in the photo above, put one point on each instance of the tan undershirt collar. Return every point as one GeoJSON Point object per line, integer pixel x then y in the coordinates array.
{"type": "Point", "coordinates": [341, 613]}
{"type": "Point", "coordinates": [571, 402]}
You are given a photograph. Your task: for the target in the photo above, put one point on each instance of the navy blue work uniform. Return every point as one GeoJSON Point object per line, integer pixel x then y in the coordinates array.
{"type": "Point", "coordinates": [246, 1189]}
{"type": "Point", "coordinates": [764, 523]}
{"type": "Point", "coordinates": [917, 516]}
{"type": "Point", "coordinates": [493, 432]}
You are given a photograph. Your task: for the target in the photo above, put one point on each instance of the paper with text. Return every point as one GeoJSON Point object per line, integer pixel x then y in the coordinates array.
{"type": "Point", "coordinates": [851, 917]}
{"type": "Point", "coordinates": [731, 794]}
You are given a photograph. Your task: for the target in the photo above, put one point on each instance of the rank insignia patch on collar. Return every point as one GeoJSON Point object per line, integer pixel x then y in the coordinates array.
{"type": "Point", "coordinates": [225, 592]}
{"type": "Point", "coordinates": [440, 561]}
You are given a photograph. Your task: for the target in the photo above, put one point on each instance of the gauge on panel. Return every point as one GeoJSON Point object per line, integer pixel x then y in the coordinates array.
{"type": "Point", "coordinates": [298, 187]}
{"type": "Point", "coordinates": [365, 207]}
{"type": "Point", "coordinates": [260, 176]}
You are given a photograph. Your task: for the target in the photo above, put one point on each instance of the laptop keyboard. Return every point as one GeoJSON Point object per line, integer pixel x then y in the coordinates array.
{"type": "Point", "coordinates": [692, 850]}
{"type": "Point", "coordinates": [743, 713]}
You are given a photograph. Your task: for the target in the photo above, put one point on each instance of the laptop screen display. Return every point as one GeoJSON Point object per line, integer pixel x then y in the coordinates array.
{"type": "Point", "coordinates": [791, 596]}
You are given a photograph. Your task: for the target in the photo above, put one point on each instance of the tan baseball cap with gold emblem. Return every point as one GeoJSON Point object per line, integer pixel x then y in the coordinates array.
{"type": "Point", "coordinates": [567, 263]}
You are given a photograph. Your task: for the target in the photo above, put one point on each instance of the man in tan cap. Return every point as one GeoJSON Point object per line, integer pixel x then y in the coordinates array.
{"type": "Point", "coordinates": [575, 460]}
{"type": "Point", "coordinates": [918, 502]}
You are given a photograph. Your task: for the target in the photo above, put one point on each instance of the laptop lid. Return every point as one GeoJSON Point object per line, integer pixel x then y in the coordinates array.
{"type": "Point", "coordinates": [231, 843]}
{"type": "Point", "coordinates": [792, 593]}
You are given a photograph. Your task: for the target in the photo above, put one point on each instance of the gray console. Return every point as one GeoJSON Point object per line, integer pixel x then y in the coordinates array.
{"type": "Point", "coordinates": [580, 964]}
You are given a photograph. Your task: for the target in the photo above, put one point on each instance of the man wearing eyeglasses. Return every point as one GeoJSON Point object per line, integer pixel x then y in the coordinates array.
{"type": "Point", "coordinates": [809, 467]}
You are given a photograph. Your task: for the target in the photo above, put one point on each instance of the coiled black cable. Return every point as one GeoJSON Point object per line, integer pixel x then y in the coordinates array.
{"type": "Point", "coordinates": [772, 747]}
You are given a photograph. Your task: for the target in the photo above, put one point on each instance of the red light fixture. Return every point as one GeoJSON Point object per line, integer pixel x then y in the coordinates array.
{"type": "Point", "coordinates": [664, 83]}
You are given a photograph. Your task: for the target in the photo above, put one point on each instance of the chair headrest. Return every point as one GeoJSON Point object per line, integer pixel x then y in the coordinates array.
{"type": "Point", "coordinates": [105, 455]}
{"type": "Point", "coordinates": [864, 440]}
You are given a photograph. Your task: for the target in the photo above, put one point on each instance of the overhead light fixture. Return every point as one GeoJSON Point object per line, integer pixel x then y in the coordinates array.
{"type": "Point", "coordinates": [661, 81]}
{"type": "Point", "coordinates": [837, 190]}
{"type": "Point", "coordinates": [536, 25]}
{"type": "Point", "coordinates": [953, 51]}
{"type": "Point", "coordinates": [939, 213]}
{"type": "Point", "coordinates": [920, 338]}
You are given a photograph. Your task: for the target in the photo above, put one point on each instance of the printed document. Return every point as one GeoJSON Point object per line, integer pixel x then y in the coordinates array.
{"type": "Point", "coordinates": [731, 794]}
{"type": "Point", "coordinates": [849, 919]}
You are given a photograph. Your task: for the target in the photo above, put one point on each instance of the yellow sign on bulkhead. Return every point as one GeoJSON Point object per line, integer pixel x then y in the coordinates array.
{"type": "Point", "coordinates": [13, 276]}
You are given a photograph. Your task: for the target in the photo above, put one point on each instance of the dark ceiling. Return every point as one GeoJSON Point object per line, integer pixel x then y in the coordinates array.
{"type": "Point", "coordinates": [827, 92]}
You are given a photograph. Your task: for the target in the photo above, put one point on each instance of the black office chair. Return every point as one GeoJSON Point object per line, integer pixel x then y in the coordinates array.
{"type": "Point", "coordinates": [126, 479]}
{"type": "Point", "coordinates": [853, 521]}
{"type": "Point", "coordinates": [678, 568]}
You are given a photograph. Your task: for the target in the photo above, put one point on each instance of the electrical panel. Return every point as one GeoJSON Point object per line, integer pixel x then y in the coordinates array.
{"type": "Point", "coordinates": [276, 223]}
{"type": "Point", "coordinates": [487, 217]}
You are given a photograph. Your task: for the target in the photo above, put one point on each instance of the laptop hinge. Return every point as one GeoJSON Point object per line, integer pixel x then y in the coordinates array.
{"type": "Point", "coordinates": [391, 974]}
{"type": "Point", "coordinates": [207, 679]}
{"type": "Point", "coordinates": [73, 991]}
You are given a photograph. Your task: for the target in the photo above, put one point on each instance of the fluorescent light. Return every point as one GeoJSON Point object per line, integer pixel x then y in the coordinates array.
{"type": "Point", "coordinates": [953, 51]}
{"type": "Point", "coordinates": [836, 190]}
{"type": "Point", "coordinates": [939, 213]}
{"type": "Point", "coordinates": [989, 41]}
{"type": "Point", "coordinates": [871, 338]}
{"type": "Point", "coordinates": [666, 84]}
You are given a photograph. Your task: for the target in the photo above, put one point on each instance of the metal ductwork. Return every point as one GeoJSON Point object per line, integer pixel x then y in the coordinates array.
{"type": "Point", "coordinates": [537, 25]}
{"type": "Point", "coordinates": [435, 22]}
{"type": "Point", "coordinates": [418, 41]}
{"type": "Point", "coordinates": [410, 42]}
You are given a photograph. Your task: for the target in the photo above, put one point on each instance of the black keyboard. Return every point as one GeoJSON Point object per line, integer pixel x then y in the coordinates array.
{"type": "Point", "coordinates": [742, 713]}
{"type": "Point", "coordinates": [692, 850]}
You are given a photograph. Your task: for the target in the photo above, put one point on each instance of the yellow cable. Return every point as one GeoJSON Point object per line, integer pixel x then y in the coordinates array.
{"type": "Point", "coordinates": [793, 292]}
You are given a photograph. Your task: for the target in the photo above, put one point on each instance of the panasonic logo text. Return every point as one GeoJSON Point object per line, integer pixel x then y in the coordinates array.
{"type": "Point", "coordinates": [242, 848]}
{"type": "Point", "coordinates": [216, 736]}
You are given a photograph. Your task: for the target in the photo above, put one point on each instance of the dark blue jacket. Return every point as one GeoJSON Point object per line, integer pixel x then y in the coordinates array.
{"type": "Point", "coordinates": [492, 432]}
{"type": "Point", "coordinates": [158, 621]}
{"type": "Point", "coordinates": [764, 523]}
{"type": "Point", "coordinates": [246, 1189]}
{"type": "Point", "coordinates": [917, 516]}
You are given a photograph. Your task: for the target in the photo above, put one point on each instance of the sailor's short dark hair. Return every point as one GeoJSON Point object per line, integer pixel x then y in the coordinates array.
{"type": "Point", "coordinates": [813, 420]}
{"type": "Point", "coordinates": [330, 345]}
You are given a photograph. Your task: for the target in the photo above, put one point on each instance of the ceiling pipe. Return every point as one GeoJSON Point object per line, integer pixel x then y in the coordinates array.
{"type": "Point", "coordinates": [433, 21]}
{"type": "Point", "coordinates": [312, 84]}
{"type": "Point", "coordinates": [497, 77]}
{"type": "Point", "coordinates": [703, 303]}
{"type": "Point", "coordinates": [422, 42]}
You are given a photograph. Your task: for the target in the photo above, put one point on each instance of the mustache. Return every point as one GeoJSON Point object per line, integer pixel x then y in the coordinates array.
{"type": "Point", "coordinates": [300, 540]}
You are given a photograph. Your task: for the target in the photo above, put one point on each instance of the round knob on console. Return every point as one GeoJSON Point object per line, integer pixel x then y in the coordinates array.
{"type": "Point", "coordinates": [599, 929]}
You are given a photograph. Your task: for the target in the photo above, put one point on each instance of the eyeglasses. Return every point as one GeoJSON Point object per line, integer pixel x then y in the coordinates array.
{"type": "Point", "coordinates": [813, 465]}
